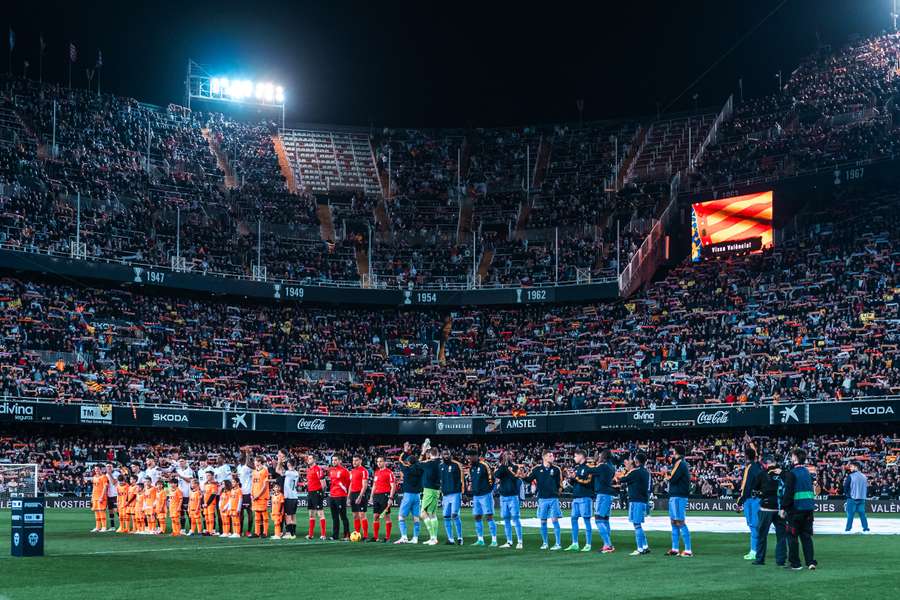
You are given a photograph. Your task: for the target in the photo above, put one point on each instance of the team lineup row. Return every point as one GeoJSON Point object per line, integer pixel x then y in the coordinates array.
{"type": "Point", "coordinates": [221, 501]}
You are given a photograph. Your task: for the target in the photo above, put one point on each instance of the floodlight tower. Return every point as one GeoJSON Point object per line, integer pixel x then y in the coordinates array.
{"type": "Point", "coordinates": [201, 85]}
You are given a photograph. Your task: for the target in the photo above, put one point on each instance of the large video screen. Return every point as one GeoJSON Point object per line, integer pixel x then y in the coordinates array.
{"type": "Point", "coordinates": [731, 225]}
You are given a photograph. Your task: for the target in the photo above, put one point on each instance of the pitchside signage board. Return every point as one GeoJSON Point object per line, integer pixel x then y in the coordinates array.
{"type": "Point", "coordinates": [27, 526]}
{"type": "Point", "coordinates": [859, 411]}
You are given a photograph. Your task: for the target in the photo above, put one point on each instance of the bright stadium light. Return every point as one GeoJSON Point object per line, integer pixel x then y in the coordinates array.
{"type": "Point", "coordinates": [200, 85]}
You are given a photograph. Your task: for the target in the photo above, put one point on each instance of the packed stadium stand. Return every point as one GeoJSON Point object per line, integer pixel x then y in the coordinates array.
{"type": "Point", "coordinates": [811, 319]}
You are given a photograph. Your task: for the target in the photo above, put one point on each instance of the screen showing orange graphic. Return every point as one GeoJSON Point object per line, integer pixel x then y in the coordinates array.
{"type": "Point", "coordinates": [731, 225]}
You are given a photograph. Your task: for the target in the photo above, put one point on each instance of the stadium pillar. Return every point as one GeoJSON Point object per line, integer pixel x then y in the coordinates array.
{"type": "Point", "coordinates": [556, 252]}
{"type": "Point", "coordinates": [53, 143]}
{"type": "Point", "coordinates": [618, 250]}
{"type": "Point", "coordinates": [178, 233]}
{"type": "Point", "coordinates": [78, 222]}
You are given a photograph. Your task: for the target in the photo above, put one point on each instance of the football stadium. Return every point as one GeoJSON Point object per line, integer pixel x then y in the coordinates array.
{"type": "Point", "coordinates": [402, 301]}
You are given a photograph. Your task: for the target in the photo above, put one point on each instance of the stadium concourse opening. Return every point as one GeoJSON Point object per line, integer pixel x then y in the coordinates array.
{"type": "Point", "coordinates": [532, 347]}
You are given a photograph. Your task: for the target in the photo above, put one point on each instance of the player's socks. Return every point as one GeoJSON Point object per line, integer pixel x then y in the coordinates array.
{"type": "Point", "coordinates": [603, 528]}
{"type": "Point", "coordinates": [686, 536]}
{"type": "Point", "coordinates": [277, 529]}
{"type": "Point", "coordinates": [519, 529]}
{"type": "Point", "coordinates": [102, 520]}
{"type": "Point", "coordinates": [417, 526]}
{"type": "Point", "coordinates": [402, 527]}
{"type": "Point", "coordinates": [322, 527]}
{"type": "Point", "coordinates": [312, 527]}
{"type": "Point", "coordinates": [448, 528]}
{"type": "Point", "coordinates": [457, 520]}
{"type": "Point", "coordinates": [356, 524]}
{"type": "Point", "coordinates": [507, 529]}
{"type": "Point", "coordinates": [492, 527]}
{"type": "Point", "coordinates": [375, 527]}
{"type": "Point", "coordinates": [236, 524]}
{"type": "Point", "coordinates": [365, 527]}
{"type": "Point", "coordinates": [558, 533]}
{"type": "Point", "coordinates": [387, 530]}
{"type": "Point", "coordinates": [479, 529]}
{"type": "Point", "coordinates": [639, 537]}
{"type": "Point", "coordinates": [544, 532]}
{"type": "Point", "coordinates": [588, 531]}
{"type": "Point", "coordinates": [675, 537]}
{"type": "Point", "coordinates": [575, 531]}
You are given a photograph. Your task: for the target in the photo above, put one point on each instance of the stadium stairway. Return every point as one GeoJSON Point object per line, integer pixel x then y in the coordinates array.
{"type": "Point", "coordinates": [221, 160]}
{"type": "Point", "coordinates": [487, 257]}
{"type": "Point", "coordinates": [362, 263]}
{"type": "Point", "coordinates": [464, 225]}
{"type": "Point", "coordinates": [284, 163]}
{"type": "Point", "coordinates": [326, 222]}
{"type": "Point", "coordinates": [383, 220]}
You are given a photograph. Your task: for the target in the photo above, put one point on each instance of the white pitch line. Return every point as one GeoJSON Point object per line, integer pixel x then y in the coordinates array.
{"type": "Point", "coordinates": [274, 544]}
{"type": "Point", "coordinates": [822, 525]}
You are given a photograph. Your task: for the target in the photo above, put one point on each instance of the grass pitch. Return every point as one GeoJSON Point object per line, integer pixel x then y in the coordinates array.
{"type": "Point", "coordinates": [80, 564]}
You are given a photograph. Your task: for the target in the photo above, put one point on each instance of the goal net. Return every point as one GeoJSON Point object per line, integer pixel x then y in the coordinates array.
{"type": "Point", "coordinates": [17, 481]}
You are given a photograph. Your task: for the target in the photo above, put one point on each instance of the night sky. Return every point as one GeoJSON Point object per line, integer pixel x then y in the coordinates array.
{"type": "Point", "coordinates": [443, 64]}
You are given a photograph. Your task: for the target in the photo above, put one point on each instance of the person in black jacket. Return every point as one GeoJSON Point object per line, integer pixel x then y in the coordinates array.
{"type": "Point", "coordinates": [765, 487]}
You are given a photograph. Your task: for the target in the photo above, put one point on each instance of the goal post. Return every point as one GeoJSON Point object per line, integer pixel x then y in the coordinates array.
{"type": "Point", "coordinates": [18, 481]}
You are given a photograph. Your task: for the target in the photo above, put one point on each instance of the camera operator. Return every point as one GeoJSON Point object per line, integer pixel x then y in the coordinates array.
{"type": "Point", "coordinates": [765, 488]}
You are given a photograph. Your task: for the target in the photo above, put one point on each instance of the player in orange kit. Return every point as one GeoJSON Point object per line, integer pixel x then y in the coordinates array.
{"type": "Point", "coordinates": [99, 488]}
{"type": "Point", "coordinates": [159, 506]}
{"type": "Point", "coordinates": [175, 507]}
{"type": "Point", "coordinates": [259, 497]}
{"type": "Point", "coordinates": [277, 510]}
{"type": "Point", "coordinates": [149, 508]}
{"type": "Point", "coordinates": [210, 493]}
{"type": "Point", "coordinates": [226, 508]}
{"type": "Point", "coordinates": [236, 500]}
{"type": "Point", "coordinates": [122, 489]}
{"type": "Point", "coordinates": [195, 513]}
{"type": "Point", "coordinates": [137, 508]}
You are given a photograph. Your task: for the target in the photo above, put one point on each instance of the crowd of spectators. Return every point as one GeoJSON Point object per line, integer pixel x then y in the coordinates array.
{"type": "Point", "coordinates": [716, 460]}
{"type": "Point", "coordinates": [836, 107]}
{"type": "Point", "coordinates": [814, 318]}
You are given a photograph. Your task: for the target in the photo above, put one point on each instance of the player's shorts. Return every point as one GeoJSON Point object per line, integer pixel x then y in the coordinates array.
{"type": "Point", "coordinates": [637, 511]}
{"type": "Point", "coordinates": [410, 505]}
{"type": "Point", "coordinates": [246, 501]}
{"type": "Point", "coordinates": [358, 502]}
{"type": "Point", "coordinates": [548, 508]}
{"type": "Point", "coordinates": [451, 504]}
{"type": "Point", "coordinates": [431, 499]}
{"type": "Point", "coordinates": [509, 507]}
{"type": "Point", "coordinates": [98, 503]}
{"type": "Point", "coordinates": [112, 502]}
{"type": "Point", "coordinates": [677, 508]}
{"type": "Point", "coordinates": [380, 504]}
{"type": "Point", "coordinates": [290, 506]}
{"type": "Point", "coordinates": [581, 508]}
{"type": "Point", "coordinates": [314, 500]}
{"type": "Point", "coordinates": [483, 505]}
{"type": "Point", "coordinates": [603, 505]}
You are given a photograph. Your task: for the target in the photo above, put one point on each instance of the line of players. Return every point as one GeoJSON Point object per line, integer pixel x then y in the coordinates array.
{"type": "Point", "coordinates": [215, 501]}
{"type": "Point", "coordinates": [432, 483]}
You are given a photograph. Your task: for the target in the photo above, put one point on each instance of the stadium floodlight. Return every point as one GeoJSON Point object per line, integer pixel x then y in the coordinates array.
{"type": "Point", "coordinates": [200, 85]}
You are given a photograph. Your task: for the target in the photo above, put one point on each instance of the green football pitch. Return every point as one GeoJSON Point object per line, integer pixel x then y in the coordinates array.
{"type": "Point", "coordinates": [79, 564]}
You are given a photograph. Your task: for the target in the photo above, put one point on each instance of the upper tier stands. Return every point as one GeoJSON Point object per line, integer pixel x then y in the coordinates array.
{"type": "Point", "coordinates": [814, 318]}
